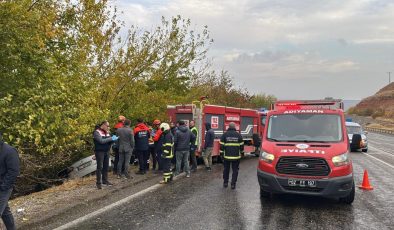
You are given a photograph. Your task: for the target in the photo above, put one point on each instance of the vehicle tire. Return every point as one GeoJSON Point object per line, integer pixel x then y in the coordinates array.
{"type": "Point", "coordinates": [365, 150]}
{"type": "Point", "coordinates": [265, 194]}
{"type": "Point", "coordinates": [349, 198]}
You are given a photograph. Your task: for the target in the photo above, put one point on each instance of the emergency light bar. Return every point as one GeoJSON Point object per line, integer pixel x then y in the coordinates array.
{"type": "Point", "coordinates": [308, 104]}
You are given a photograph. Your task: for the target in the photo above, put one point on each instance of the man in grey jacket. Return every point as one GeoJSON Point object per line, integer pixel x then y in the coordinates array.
{"type": "Point", "coordinates": [126, 146]}
{"type": "Point", "coordinates": [182, 140]}
{"type": "Point", "coordinates": [9, 170]}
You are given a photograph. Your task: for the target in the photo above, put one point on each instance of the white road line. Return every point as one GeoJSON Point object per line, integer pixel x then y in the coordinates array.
{"type": "Point", "coordinates": [382, 150]}
{"type": "Point", "coordinates": [107, 208]}
{"type": "Point", "coordinates": [91, 215]}
{"type": "Point", "coordinates": [391, 166]}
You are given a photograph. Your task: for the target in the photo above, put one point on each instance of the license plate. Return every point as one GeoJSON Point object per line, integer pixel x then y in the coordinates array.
{"type": "Point", "coordinates": [301, 183]}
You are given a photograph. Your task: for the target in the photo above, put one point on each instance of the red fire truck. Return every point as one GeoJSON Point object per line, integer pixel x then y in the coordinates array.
{"type": "Point", "coordinates": [249, 122]}
{"type": "Point", "coordinates": [305, 151]}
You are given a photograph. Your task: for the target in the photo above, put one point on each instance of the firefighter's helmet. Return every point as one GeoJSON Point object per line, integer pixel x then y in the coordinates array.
{"type": "Point", "coordinates": [121, 118]}
{"type": "Point", "coordinates": [164, 127]}
{"type": "Point", "coordinates": [156, 122]}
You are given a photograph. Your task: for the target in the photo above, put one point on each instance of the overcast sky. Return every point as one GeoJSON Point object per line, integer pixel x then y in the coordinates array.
{"type": "Point", "coordinates": [292, 49]}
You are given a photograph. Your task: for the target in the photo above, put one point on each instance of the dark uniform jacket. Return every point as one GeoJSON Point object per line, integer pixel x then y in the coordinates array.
{"type": "Point", "coordinates": [231, 145]}
{"type": "Point", "coordinates": [102, 140]}
{"type": "Point", "coordinates": [209, 136]}
{"type": "Point", "coordinates": [9, 166]}
{"type": "Point", "coordinates": [168, 144]}
{"type": "Point", "coordinates": [141, 137]}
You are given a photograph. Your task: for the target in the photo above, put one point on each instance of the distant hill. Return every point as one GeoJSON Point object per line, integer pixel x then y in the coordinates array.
{"type": "Point", "coordinates": [379, 105]}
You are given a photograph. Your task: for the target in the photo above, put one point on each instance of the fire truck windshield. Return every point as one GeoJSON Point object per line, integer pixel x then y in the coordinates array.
{"type": "Point", "coordinates": [305, 128]}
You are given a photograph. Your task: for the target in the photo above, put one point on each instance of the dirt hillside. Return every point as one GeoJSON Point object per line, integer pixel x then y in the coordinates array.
{"type": "Point", "coordinates": [380, 105]}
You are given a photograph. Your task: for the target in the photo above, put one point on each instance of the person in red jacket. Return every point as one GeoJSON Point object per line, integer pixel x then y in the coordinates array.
{"type": "Point", "coordinates": [141, 137]}
{"type": "Point", "coordinates": [152, 150]}
{"type": "Point", "coordinates": [157, 143]}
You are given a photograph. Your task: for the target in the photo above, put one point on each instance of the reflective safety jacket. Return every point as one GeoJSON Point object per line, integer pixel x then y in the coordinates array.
{"type": "Point", "coordinates": [168, 145]}
{"type": "Point", "coordinates": [231, 145]}
{"type": "Point", "coordinates": [195, 132]}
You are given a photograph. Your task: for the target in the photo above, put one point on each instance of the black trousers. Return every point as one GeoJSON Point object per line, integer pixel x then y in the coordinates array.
{"type": "Point", "coordinates": [143, 156]}
{"type": "Point", "coordinates": [5, 211]}
{"type": "Point", "coordinates": [235, 167]}
{"type": "Point", "coordinates": [116, 161]}
{"type": "Point", "coordinates": [102, 159]}
{"type": "Point", "coordinates": [167, 171]}
{"type": "Point", "coordinates": [193, 159]}
{"type": "Point", "coordinates": [152, 152]}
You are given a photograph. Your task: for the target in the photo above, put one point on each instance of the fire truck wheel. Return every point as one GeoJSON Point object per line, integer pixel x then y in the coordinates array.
{"type": "Point", "coordinates": [265, 194]}
{"type": "Point", "coordinates": [349, 198]}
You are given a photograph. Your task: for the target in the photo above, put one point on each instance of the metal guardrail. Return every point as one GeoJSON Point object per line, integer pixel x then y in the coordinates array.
{"type": "Point", "coordinates": [380, 130]}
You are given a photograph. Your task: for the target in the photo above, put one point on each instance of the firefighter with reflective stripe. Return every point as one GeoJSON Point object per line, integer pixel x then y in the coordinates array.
{"type": "Point", "coordinates": [167, 152]}
{"type": "Point", "coordinates": [231, 148]}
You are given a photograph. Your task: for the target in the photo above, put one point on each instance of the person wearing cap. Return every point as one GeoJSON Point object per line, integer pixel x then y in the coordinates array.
{"type": "Point", "coordinates": [9, 170]}
{"type": "Point", "coordinates": [231, 148]}
{"type": "Point", "coordinates": [115, 146]}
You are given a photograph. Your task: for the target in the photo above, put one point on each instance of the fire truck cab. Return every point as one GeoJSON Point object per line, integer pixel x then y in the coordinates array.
{"type": "Point", "coordinates": [248, 122]}
{"type": "Point", "coordinates": [305, 151]}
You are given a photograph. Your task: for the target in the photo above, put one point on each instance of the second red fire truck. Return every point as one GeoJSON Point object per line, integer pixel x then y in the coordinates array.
{"type": "Point", "coordinates": [249, 122]}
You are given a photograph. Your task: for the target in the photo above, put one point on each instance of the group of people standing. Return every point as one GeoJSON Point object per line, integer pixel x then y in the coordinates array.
{"type": "Point", "coordinates": [167, 144]}
{"type": "Point", "coordinates": [161, 141]}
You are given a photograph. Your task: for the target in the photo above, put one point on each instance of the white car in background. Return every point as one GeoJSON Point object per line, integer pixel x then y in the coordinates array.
{"type": "Point", "coordinates": [355, 128]}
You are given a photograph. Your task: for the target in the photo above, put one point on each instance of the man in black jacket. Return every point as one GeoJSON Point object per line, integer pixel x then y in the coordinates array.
{"type": "Point", "coordinates": [182, 140]}
{"type": "Point", "coordinates": [102, 144]}
{"type": "Point", "coordinates": [9, 170]}
{"type": "Point", "coordinates": [231, 148]}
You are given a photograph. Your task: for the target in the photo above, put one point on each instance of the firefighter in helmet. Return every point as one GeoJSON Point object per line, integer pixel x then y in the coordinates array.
{"type": "Point", "coordinates": [167, 152]}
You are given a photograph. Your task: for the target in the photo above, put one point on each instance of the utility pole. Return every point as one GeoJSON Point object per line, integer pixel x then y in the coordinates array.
{"type": "Point", "coordinates": [389, 77]}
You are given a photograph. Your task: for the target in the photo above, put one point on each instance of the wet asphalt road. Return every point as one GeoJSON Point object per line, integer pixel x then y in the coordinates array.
{"type": "Point", "coordinates": [200, 202]}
